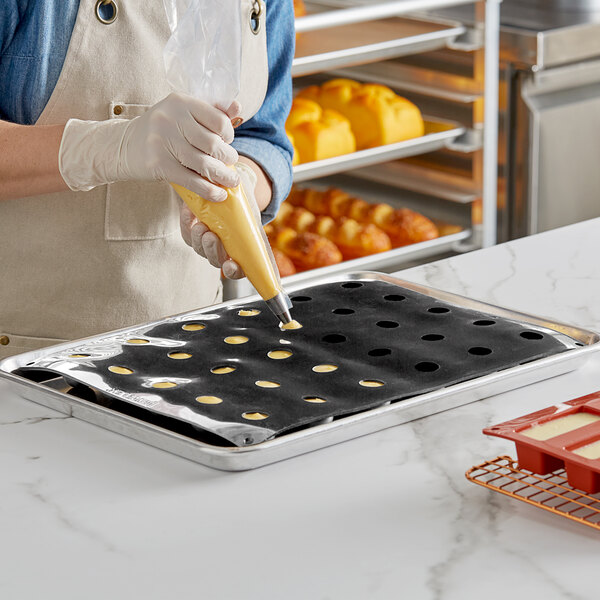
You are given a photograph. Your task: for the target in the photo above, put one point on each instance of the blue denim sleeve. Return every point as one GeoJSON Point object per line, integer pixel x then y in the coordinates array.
{"type": "Point", "coordinates": [262, 138]}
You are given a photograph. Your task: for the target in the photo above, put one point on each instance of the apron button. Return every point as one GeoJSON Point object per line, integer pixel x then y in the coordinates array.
{"type": "Point", "coordinates": [4, 340]}
{"type": "Point", "coordinates": [118, 109]}
{"type": "Point", "coordinates": [106, 11]}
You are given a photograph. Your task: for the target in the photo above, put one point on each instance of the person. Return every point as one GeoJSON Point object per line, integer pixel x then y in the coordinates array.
{"type": "Point", "coordinates": [93, 236]}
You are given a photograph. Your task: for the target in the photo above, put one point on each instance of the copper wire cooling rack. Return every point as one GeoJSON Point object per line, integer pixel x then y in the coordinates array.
{"type": "Point", "coordinates": [550, 492]}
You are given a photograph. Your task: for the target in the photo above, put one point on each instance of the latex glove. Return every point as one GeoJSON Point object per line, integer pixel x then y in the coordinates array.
{"type": "Point", "coordinates": [180, 139]}
{"type": "Point", "coordinates": [205, 242]}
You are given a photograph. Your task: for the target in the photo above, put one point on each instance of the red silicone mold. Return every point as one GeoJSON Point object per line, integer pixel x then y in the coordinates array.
{"type": "Point", "coordinates": [546, 456]}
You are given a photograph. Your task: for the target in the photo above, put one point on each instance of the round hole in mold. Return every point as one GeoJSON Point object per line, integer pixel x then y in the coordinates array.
{"type": "Point", "coordinates": [248, 312]}
{"type": "Point", "coordinates": [301, 299]}
{"type": "Point", "coordinates": [438, 310]}
{"type": "Point", "coordinates": [480, 351]}
{"type": "Point", "coordinates": [334, 338]}
{"type": "Point", "coordinates": [279, 354]}
{"type": "Point", "coordinates": [73, 356]}
{"type": "Point", "coordinates": [314, 399]}
{"type": "Point", "coordinates": [222, 370]}
{"type": "Point", "coordinates": [139, 341]}
{"type": "Point", "coordinates": [531, 335]}
{"type": "Point", "coordinates": [387, 324]}
{"type": "Point", "coordinates": [394, 298]}
{"type": "Point", "coordinates": [267, 384]}
{"type": "Point", "coordinates": [484, 322]}
{"type": "Point", "coordinates": [164, 385]}
{"type": "Point", "coordinates": [343, 311]}
{"type": "Point", "coordinates": [209, 399]}
{"type": "Point", "coordinates": [433, 337]}
{"type": "Point", "coordinates": [371, 383]}
{"type": "Point", "coordinates": [325, 368]}
{"type": "Point", "coordinates": [579, 344]}
{"type": "Point", "coordinates": [120, 370]}
{"type": "Point", "coordinates": [379, 352]}
{"type": "Point", "coordinates": [427, 367]}
{"type": "Point", "coordinates": [193, 326]}
{"type": "Point", "coordinates": [236, 339]}
{"type": "Point", "coordinates": [349, 285]}
{"type": "Point", "coordinates": [179, 355]}
{"type": "Point", "coordinates": [255, 416]}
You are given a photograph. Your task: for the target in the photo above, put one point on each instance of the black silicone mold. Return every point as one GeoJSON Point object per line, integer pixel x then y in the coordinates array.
{"type": "Point", "coordinates": [374, 332]}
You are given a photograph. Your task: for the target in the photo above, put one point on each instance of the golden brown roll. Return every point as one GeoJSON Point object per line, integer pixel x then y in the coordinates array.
{"type": "Point", "coordinates": [377, 115]}
{"type": "Point", "coordinates": [306, 250]}
{"type": "Point", "coordinates": [403, 226]}
{"type": "Point", "coordinates": [284, 264]}
{"type": "Point", "coordinates": [318, 134]}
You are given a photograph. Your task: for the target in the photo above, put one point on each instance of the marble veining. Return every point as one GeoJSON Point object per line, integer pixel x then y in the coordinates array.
{"type": "Point", "coordinates": [88, 513]}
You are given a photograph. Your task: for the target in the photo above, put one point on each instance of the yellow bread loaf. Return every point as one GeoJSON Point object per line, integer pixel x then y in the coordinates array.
{"type": "Point", "coordinates": [377, 115]}
{"type": "Point", "coordinates": [318, 133]}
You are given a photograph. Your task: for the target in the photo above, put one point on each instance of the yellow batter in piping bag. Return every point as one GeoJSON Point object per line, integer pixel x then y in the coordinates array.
{"type": "Point", "coordinates": [244, 240]}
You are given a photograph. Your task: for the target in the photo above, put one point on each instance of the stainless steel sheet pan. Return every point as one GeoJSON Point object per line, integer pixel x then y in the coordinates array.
{"type": "Point", "coordinates": [578, 345]}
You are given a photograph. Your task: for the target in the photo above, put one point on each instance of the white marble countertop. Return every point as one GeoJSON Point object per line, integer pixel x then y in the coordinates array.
{"type": "Point", "coordinates": [86, 513]}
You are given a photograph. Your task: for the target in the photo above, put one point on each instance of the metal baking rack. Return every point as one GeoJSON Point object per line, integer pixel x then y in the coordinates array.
{"type": "Point", "coordinates": [325, 50]}
{"type": "Point", "coordinates": [549, 492]}
{"type": "Point", "coordinates": [373, 41]}
{"type": "Point", "coordinates": [136, 419]}
{"type": "Point", "coordinates": [438, 133]}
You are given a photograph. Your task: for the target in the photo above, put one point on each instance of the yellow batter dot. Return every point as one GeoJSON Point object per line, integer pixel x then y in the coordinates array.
{"type": "Point", "coordinates": [137, 341]}
{"type": "Point", "coordinates": [179, 355]}
{"type": "Point", "coordinates": [222, 370]}
{"type": "Point", "coordinates": [315, 400]}
{"type": "Point", "coordinates": [252, 312]}
{"type": "Point", "coordinates": [209, 400]}
{"type": "Point", "coordinates": [370, 383]}
{"type": "Point", "coordinates": [120, 370]}
{"type": "Point", "coordinates": [193, 326]}
{"type": "Point", "coordinates": [291, 325]}
{"type": "Point", "coordinates": [324, 368]}
{"type": "Point", "coordinates": [78, 355]}
{"type": "Point", "coordinates": [254, 416]}
{"type": "Point", "coordinates": [164, 384]}
{"type": "Point", "coordinates": [236, 339]}
{"type": "Point", "coordinates": [267, 384]}
{"type": "Point", "coordinates": [279, 354]}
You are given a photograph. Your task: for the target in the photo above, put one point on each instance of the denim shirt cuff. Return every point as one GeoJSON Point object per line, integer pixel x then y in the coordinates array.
{"type": "Point", "coordinates": [274, 163]}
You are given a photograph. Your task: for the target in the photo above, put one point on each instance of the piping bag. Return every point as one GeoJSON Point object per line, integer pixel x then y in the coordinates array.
{"type": "Point", "coordinates": [245, 241]}
{"type": "Point", "coordinates": [203, 58]}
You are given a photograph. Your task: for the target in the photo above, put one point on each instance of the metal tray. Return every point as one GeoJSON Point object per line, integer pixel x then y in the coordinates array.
{"type": "Point", "coordinates": [438, 134]}
{"type": "Point", "coordinates": [579, 344]}
{"type": "Point", "coordinates": [360, 43]}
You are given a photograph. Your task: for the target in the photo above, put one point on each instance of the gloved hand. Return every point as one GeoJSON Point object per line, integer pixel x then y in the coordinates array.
{"type": "Point", "coordinates": [180, 139]}
{"type": "Point", "coordinates": [205, 242]}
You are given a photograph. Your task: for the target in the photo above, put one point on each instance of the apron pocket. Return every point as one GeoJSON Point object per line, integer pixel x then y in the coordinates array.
{"type": "Point", "coordinates": [138, 210]}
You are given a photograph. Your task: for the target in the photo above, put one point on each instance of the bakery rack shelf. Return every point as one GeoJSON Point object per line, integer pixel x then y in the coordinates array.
{"type": "Point", "coordinates": [438, 134]}
{"type": "Point", "coordinates": [324, 50]}
{"type": "Point", "coordinates": [466, 95]}
{"type": "Point", "coordinates": [439, 184]}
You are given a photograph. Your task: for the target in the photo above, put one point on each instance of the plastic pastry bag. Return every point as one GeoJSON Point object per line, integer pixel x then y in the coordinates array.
{"type": "Point", "coordinates": [203, 59]}
{"type": "Point", "coordinates": [204, 53]}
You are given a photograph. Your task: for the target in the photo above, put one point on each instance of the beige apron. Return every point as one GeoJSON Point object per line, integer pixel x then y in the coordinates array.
{"type": "Point", "coordinates": [75, 264]}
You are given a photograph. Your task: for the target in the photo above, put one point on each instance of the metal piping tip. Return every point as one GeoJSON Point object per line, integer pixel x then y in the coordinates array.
{"type": "Point", "coordinates": [285, 317]}
{"type": "Point", "coordinates": [280, 306]}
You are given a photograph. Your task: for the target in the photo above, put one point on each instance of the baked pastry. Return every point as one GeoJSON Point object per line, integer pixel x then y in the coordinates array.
{"type": "Point", "coordinates": [354, 239]}
{"type": "Point", "coordinates": [295, 156]}
{"type": "Point", "coordinates": [377, 115]}
{"type": "Point", "coordinates": [284, 264]}
{"type": "Point", "coordinates": [318, 133]}
{"type": "Point", "coordinates": [306, 250]}
{"type": "Point", "coordinates": [403, 226]}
